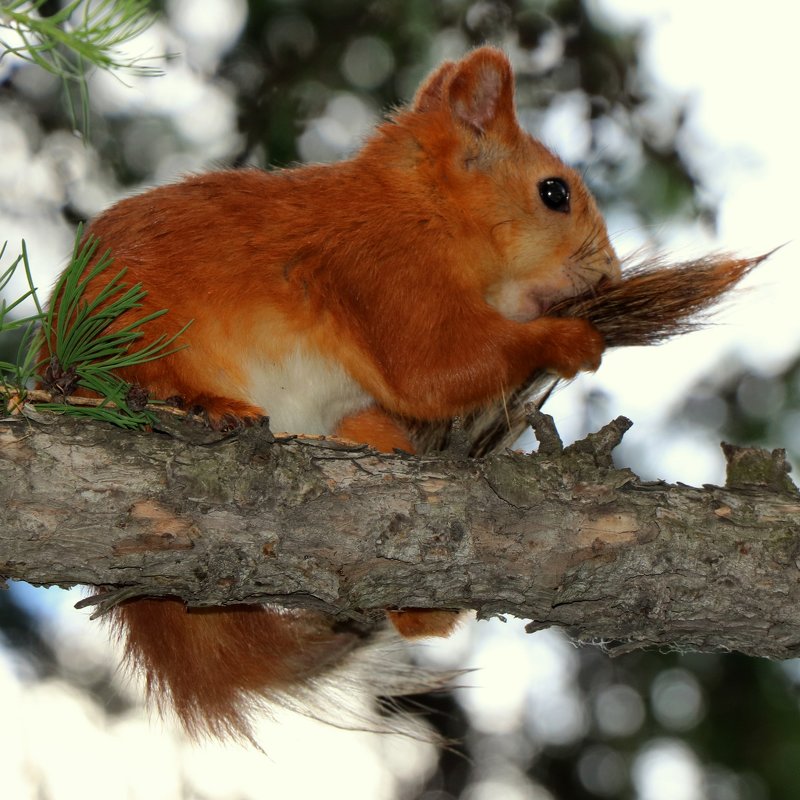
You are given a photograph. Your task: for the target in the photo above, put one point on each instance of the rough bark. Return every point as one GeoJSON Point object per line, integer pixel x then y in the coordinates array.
{"type": "Point", "coordinates": [561, 537]}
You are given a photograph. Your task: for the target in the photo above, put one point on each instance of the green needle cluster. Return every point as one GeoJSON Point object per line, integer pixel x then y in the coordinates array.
{"type": "Point", "coordinates": [75, 337]}
{"type": "Point", "coordinates": [79, 36]}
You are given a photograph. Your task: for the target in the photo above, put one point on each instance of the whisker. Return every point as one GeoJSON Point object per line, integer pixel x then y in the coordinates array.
{"type": "Point", "coordinates": [654, 301]}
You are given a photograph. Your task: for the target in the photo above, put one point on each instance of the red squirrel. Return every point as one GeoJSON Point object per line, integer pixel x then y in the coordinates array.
{"type": "Point", "coordinates": [412, 280]}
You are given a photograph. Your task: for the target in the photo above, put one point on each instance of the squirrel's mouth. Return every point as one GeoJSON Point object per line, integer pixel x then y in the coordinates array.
{"type": "Point", "coordinates": [545, 302]}
{"type": "Point", "coordinates": [520, 302]}
{"type": "Point", "coordinates": [524, 300]}
{"type": "Point", "coordinates": [538, 302]}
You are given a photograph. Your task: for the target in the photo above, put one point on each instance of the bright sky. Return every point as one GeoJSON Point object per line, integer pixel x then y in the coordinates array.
{"type": "Point", "coordinates": [738, 67]}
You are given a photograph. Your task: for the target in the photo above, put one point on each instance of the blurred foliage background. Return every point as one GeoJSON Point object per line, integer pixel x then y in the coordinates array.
{"type": "Point", "coordinates": [274, 82]}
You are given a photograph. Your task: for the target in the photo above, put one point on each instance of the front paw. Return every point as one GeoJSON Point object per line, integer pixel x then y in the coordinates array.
{"type": "Point", "coordinates": [576, 346]}
{"type": "Point", "coordinates": [225, 415]}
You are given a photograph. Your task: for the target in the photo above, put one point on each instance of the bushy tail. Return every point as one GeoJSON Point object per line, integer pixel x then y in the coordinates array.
{"type": "Point", "coordinates": [217, 668]}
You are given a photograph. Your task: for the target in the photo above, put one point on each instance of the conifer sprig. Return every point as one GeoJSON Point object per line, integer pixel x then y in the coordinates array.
{"type": "Point", "coordinates": [82, 351]}
{"type": "Point", "coordinates": [94, 32]}
{"type": "Point", "coordinates": [21, 371]}
{"type": "Point", "coordinates": [80, 35]}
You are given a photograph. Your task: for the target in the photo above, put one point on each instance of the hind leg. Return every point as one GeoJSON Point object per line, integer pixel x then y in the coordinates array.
{"type": "Point", "coordinates": [375, 427]}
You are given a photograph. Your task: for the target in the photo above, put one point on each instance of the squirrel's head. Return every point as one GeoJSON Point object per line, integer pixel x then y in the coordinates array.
{"type": "Point", "coordinates": [536, 234]}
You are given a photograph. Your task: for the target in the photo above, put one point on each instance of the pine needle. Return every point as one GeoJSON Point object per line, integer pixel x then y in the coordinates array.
{"type": "Point", "coordinates": [81, 35]}
{"type": "Point", "coordinates": [74, 332]}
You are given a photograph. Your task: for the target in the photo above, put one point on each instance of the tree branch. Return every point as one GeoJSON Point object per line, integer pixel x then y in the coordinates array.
{"type": "Point", "coordinates": [561, 537]}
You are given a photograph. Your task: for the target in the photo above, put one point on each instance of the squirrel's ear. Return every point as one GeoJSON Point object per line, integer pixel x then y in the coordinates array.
{"type": "Point", "coordinates": [481, 91]}
{"type": "Point", "coordinates": [430, 95]}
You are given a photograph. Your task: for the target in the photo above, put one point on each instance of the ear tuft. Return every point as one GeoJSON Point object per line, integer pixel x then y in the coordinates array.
{"type": "Point", "coordinates": [481, 91]}
{"type": "Point", "coordinates": [430, 95]}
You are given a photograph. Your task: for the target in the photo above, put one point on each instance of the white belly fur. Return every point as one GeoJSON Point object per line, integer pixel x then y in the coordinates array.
{"type": "Point", "coordinates": [304, 393]}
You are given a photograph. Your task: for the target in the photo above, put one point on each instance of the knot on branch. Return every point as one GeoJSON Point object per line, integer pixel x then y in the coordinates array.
{"type": "Point", "coordinates": [598, 445]}
{"type": "Point", "coordinates": [753, 467]}
{"type": "Point", "coordinates": [544, 427]}
{"type": "Point", "coordinates": [256, 445]}
{"type": "Point", "coordinates": [601, 444]}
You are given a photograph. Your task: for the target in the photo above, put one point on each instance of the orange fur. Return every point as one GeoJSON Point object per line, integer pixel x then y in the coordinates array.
{"type": "Point", "coordinates": [424, 622]}
{"type": "Point", "coordinates": [375, 427]}
{"type": "Point", "coordinates": [411, 280]}
{"type": "Point", "coordinates": [207, 664]}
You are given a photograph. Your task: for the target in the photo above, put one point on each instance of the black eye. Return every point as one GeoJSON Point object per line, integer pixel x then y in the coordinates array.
{"type": "Point", "coordinates": [555, 194]}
